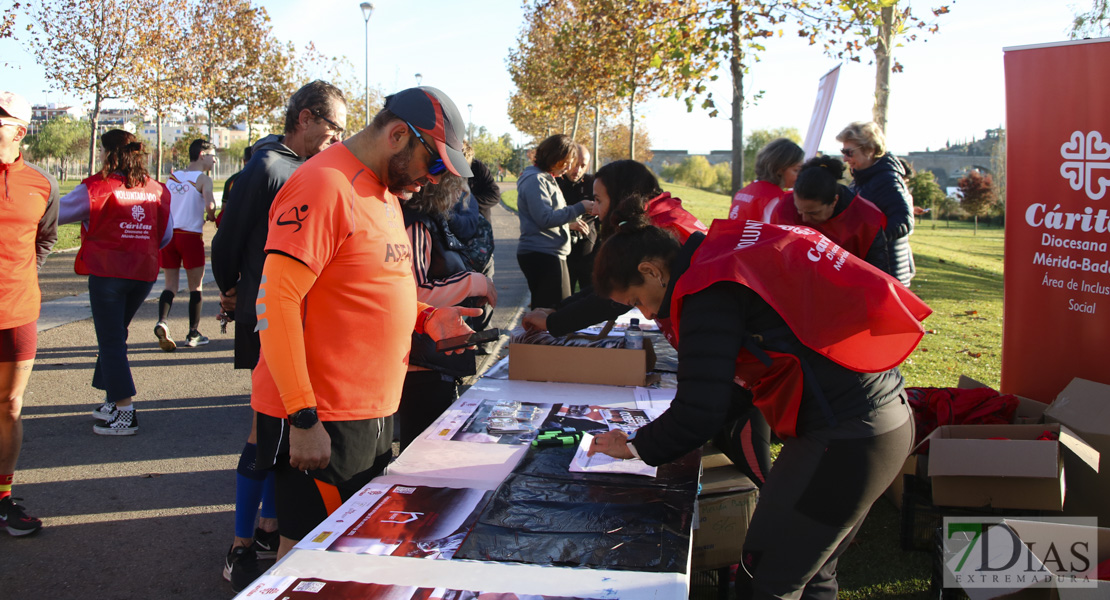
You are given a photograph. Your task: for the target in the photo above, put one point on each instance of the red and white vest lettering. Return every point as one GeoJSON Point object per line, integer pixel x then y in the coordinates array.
{"type": "Point", "coordinates": [124, 231]}
{"type": "Point", "coordinates": [753, 201]}
{"type": "Point", "coordinates": [835, 303]}
{"type": "Point", "coordinates": [854, 229]}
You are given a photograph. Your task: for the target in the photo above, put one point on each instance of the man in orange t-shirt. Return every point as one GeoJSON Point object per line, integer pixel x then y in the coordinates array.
{"type": "Point", "coordinates": [337, 306]}
{"type": "Point", "coordinates": [28, 230]}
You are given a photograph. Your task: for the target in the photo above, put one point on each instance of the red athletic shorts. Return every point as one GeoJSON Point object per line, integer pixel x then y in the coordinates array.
{"type": "Point", "coordinates": [19, 343]}
{"type": "Point", "coordinates": [186, 248]}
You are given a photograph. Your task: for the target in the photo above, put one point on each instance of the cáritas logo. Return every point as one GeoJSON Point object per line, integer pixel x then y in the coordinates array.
{"type": "Point", "coordinates": [1084, 155]}
{"type": "Point", "coordinates": [137, 213]}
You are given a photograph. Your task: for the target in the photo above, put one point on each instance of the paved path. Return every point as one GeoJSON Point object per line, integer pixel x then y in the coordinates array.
{"type": "Point", "coordinates": [146, 516]}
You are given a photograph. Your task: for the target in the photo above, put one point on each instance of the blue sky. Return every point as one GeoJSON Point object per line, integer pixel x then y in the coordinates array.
{"type": "Point", "coordinates": [952, 88]}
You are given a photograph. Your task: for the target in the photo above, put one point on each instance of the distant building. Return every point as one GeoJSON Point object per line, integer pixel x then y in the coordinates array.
{"type": "Point", "coordinates": [954, 161]}
{"type": "Point", "coordinates": [45, 112]}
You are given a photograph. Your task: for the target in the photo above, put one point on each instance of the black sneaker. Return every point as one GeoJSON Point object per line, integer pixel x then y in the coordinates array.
{"type": "Point", "coordinates": [105, 412]}
{"type": "Point", "coordinates": [195, 339]}
{"type": "Point", "coordinates": [266, 543]}
{"type": "Point", "coordinates": [15, 520]}
{"type": "Point", "coordinates": [242, 567]}
{"type": "Point", "coordinates": [163, 334]}
{"type": "Point", "coordinates": [125, 422]}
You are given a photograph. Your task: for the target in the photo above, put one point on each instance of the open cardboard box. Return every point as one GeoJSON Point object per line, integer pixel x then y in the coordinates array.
{"type": "Point", "coordinates": [1003, 466]}
{"type": "Point", "coordinates": [1084, 407]}
{"type": "Point", "coordinates": [577, 364]}
{"type": "Point", "coordinates": [725, 506]}
{"type": "Point", "coordinates": [1028, 411]}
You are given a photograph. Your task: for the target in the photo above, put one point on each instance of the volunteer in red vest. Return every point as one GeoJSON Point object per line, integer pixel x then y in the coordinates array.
{"type": "Point", "coordinates": [776, 167]}
{"type": "Point", "coordinates": [816, 334]}
{"type": "Point", "coordinates": [28, 230]}
{"type": "Point", "coordinates": [125, 221]}
{"type": "Point", "coordinates": [821, 202]}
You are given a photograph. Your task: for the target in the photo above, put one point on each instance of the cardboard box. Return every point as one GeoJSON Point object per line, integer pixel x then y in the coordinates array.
{"type": "Point", "coordinates": [576, 364]}
{"type": "Point", "coordinates": [725, 508]}
{"type": "Point", "coordinates": [969, 468]}
{"type": "Point", "coordinates": [1084, 407]}
{"type": "Point", "coordinates": [1028, 411]}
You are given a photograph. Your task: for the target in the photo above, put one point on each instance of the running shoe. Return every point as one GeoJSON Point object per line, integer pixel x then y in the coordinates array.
{"type": "Point", "coordinates": [242, 567]}
{"type": "Point", "coordinates": [105, 411]}
{"type": "Point", "coordinates": [15, 520]}
{"type": "Point", "coordinates": [163, 334]}
{"type": "Point", "coordinates": [266, 543]}
{"type": "Point", "coordinates": [126, 422]}
{"type": "Point", "coordinates": [195, 339]}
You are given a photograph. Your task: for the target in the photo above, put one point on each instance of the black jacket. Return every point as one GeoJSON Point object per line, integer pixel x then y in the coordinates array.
{"type": "Point", "coordinates": [484, 188]}
{"type": "Point", "coordinates": [714, 323]}
{"type": "Point", "coordinates": [884, 185]}
{"type": "Point", "coordinates": [239, 248]}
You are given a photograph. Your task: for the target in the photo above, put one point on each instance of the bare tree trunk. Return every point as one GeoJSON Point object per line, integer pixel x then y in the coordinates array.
{"type": "Point", "coordinates": [632, 125]}
{"type": "Point", "coordinates": [737, 67]}
{"type": "Point", "coordinates": [94, 118]}
{"type": "Point", "coordinates": [577, 114]}
{"type": "Point", "coordinates": [882, 68]}
{"type": "Point", "coordinates": [597, 129]}
{"type": "Point", "coordinates": [158, 137]}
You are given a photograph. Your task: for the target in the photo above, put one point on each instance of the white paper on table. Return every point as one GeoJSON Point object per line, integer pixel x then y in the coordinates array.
{"type": "Point", "coordinates": [601, 463]}
{"type": "Point", "coordinates": [454, 418]}
{"type": "Point", "coordinates": [654, 399]}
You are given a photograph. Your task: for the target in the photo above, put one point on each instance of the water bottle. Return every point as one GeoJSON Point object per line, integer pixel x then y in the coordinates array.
{"type": "Point", "coordinates": [634, 336]}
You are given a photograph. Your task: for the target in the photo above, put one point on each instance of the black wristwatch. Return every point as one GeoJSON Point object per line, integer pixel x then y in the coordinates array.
{"type": "Point", "coordinates": [304, 418]}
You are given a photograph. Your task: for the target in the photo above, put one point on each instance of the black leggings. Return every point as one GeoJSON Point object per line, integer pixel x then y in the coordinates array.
{"type": "Point", "coordinates": [812, 505]}
{"type": "Point", "coordinates": [548, 278]}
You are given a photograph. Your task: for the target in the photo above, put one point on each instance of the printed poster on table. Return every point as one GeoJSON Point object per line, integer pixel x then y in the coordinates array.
{"type": "Point", "coordinates": [269, 587]}
{"type": "Point", "coordinates": [598, 419]}
{"type": "Point", "coordinates": [1057, 269]}
{"type": "Point", "coordinates": [414, 521]}
{"type": "Point", "coordinates": [493, 422]}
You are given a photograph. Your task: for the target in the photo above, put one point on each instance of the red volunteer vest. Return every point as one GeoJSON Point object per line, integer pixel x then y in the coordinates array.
{"type": "Point", "coordinates": [751, 202]}
{"type": "Point", "coordinates": [124, 231]}
{"type": "Point", "coordinates": [667, 213]}
{"type": "Point", "coordinates": [835, 303]}
{"type": "Point", "coordinates": [854, 229]}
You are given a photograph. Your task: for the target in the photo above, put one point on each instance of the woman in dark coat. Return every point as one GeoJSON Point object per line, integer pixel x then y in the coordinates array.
{"type": "Point", "coordinates": [878, 176]}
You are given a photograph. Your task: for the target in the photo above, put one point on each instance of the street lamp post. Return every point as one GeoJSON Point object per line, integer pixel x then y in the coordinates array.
{"type": "Point", "coordinates": [470, 125]}
{"type": "Point", "coordinates": [419, 78]}
{"type": "Point", "coordinates": [367, 10]}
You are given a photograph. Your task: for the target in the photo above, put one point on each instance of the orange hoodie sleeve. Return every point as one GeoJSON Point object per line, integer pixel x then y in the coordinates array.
{"type": "Point", "coordinates": [285, 283]}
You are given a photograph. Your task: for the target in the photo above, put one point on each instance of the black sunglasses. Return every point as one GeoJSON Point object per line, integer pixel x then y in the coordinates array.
{"type": "Point", "coordinates": [436, 166]}
{"type": "Point", "coordinates": [848, 151]}
{"type": "Point", "coordinates": [335, 126]}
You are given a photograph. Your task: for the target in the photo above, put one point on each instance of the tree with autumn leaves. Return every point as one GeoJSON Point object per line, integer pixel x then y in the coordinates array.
{"type": "Point", "coordinates": [639, 48]}
{"type": "Point", "coordinates": [221, 57]}
{"type": "Point", "coordinates": [977, 194]}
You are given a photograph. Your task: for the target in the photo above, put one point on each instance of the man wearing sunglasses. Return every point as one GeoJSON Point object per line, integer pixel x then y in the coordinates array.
{"type": "Point", "coordinates": [337, 306]}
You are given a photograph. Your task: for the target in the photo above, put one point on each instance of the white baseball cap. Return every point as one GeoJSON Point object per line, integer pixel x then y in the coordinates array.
{"type": "Point", "coordinates": [16, 107]}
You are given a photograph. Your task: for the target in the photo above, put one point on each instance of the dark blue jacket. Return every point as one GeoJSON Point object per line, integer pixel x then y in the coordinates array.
{"type": "Point", "coordinates": [883, 183]}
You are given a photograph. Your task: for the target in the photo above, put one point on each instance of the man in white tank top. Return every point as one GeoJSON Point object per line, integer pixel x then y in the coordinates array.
{"type": "Point", "coordinates": [191, 205]}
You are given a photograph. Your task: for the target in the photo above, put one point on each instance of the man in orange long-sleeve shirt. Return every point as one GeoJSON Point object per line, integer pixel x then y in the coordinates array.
{"type": "Point", "coordinates": [28, 230]}
{"type": "Point", "coordinates": [337, 306]}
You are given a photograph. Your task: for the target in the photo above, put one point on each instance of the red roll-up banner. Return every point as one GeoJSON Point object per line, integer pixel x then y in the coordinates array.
{"type": "Point", "coordinates": [1057, 273]}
